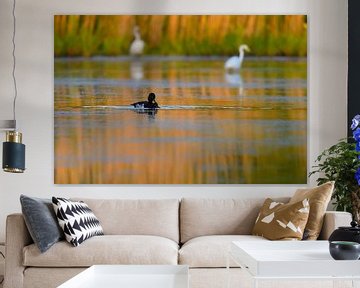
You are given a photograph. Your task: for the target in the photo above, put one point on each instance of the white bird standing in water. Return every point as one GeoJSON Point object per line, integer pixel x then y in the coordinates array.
{"type": "Point", "coordinates": [234, 63]}
{"type": "Point", "coordinates": [137, 46]}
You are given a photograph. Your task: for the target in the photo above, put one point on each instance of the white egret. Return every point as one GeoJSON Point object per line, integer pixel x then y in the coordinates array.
{"type": "Point", "coordinates": [234, 63]}
{"type": "Point", "coordinates": [137, 46]}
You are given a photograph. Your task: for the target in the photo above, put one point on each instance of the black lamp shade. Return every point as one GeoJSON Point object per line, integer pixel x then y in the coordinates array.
{"type": "Point", "coordinates": [13, 157]}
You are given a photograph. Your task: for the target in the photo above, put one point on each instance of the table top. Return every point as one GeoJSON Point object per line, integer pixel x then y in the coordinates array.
{"type": "Point", "coordinates": [131, 276]}
{"type": "Point", "coordinates": [291, 259]}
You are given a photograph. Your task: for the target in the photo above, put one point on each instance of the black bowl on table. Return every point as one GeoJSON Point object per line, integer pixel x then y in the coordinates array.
{"type": "Point", "coordinates": [344, 250]}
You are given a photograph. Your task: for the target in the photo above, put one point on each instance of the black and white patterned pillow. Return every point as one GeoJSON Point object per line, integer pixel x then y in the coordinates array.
{"type": "Point", "coordinates": [77, 220]}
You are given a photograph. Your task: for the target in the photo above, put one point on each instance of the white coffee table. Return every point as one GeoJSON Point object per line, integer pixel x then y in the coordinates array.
{"type": "Point", "coordinates": [131, 276]}
{"type": "Point", "coordinates": [292, 260]}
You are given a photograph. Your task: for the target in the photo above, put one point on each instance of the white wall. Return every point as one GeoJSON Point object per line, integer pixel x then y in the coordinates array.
{"type": "Point", "coordinates": [327, 89]}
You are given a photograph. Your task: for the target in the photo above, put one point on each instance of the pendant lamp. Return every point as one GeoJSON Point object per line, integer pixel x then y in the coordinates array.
{"type": "Point", "coordinates": [13, 160]}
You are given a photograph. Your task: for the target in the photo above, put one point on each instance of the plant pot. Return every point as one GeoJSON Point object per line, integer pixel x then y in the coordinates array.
{"type": "Point", "coordinates": [351, 233]}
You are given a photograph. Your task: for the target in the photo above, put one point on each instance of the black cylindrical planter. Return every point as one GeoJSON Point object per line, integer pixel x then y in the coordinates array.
{"type": "Point", "coordinates": [13, 154]}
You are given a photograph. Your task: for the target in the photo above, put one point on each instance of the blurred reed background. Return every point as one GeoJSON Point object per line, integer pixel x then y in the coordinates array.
{"type": "Point", "coordinates": [266, 35]}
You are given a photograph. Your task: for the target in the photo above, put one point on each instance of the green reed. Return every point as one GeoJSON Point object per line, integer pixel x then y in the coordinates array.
{"type": "Point", "coordinates": [268, 35]}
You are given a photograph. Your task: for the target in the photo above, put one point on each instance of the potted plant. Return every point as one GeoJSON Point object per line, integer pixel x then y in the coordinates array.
{"type": "Point", "coordinates": [341, 163]}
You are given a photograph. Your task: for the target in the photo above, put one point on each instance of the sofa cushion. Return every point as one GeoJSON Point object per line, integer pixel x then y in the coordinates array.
{"type": "Point", "coordinates": [279, 221]}
{"type": "Point", "coordinates": [107, 249]}
{"type": "Point", "coordinates": [211, 251]}
{"type": "Point", "coordinates": [200, 217]}
{"type": "Point", "coordinates": [76, 220]}
{"type": "Point", "coordinates": [319, 198]}
{"type": "Point", "coordinates": [158, 217]}
{"type": "Point", "coordinates": [41, 221]}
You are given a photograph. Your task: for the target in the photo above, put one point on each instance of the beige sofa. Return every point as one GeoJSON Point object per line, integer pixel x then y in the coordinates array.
{"type": "Point", "coordinates": [194, 232]}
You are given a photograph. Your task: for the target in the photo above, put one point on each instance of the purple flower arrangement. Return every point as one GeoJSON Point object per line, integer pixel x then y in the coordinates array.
{"type": "Point", "coordinates": [355, 126]}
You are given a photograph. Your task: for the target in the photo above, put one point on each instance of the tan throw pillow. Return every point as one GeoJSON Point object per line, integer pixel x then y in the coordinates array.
{"type": "Point", "coordinates": [279, 221]}
{"type": "Point", "coordinates": [319, 198]}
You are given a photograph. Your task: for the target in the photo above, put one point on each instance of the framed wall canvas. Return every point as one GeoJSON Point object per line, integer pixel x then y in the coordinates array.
{"type": "Point", "coordinates": [180, 99]}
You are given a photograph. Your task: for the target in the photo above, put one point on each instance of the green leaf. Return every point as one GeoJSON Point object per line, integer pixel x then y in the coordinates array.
{"type": "Point", "coordinates": [339, 163]}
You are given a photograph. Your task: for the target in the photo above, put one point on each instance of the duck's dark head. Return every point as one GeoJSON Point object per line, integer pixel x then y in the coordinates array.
{"type": "Point", "coordinates": [151, 97]}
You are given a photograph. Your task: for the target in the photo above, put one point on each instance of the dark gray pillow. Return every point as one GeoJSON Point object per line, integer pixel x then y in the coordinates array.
{"type": "Point", "coordinates": [41, 221]}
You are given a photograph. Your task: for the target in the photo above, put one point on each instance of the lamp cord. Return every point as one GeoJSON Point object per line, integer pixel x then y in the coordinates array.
{"type": "Point", "coordinates": [14, 61]}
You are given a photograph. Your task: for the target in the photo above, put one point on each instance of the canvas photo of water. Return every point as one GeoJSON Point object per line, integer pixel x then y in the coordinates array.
{"type": "Point", "coordinates": [180, 99]}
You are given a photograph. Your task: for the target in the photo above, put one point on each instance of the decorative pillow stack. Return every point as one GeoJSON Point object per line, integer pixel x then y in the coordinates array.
{"type": "Point", "coordinates": [279, 221]}
{"type": "Point", "coordinates": [300, 219]}
{"type": "Point", "coordinates": [77, 220]}
{"type": "Point", "coordinates": [319, 198]}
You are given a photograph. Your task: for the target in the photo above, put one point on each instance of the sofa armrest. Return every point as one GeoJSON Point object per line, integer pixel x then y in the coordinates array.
{"type": "Point", "coordinates": [333, 220]}
{"type": "Point", "coordinates": [17, 237]}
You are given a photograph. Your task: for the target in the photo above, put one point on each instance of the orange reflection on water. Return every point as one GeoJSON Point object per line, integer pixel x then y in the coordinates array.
{"type": "Point", "coordinates": [217, 150]}
{"type": "Point", "coordinates": [216, 137]}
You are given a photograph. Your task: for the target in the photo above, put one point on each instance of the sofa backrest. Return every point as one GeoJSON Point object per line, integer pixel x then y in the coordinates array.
{"type": "Point", "coordinates": [200, 217]}
{"type": "Point", "coordinates": [159, 217]}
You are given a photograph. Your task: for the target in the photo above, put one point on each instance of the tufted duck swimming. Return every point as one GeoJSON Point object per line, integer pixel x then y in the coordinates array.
{"type": "Point", "coordinates": [150, 104]}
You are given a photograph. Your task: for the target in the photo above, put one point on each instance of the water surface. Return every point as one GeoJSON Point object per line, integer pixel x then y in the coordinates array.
{"type": "Point", "coordinates": [212, 128]}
